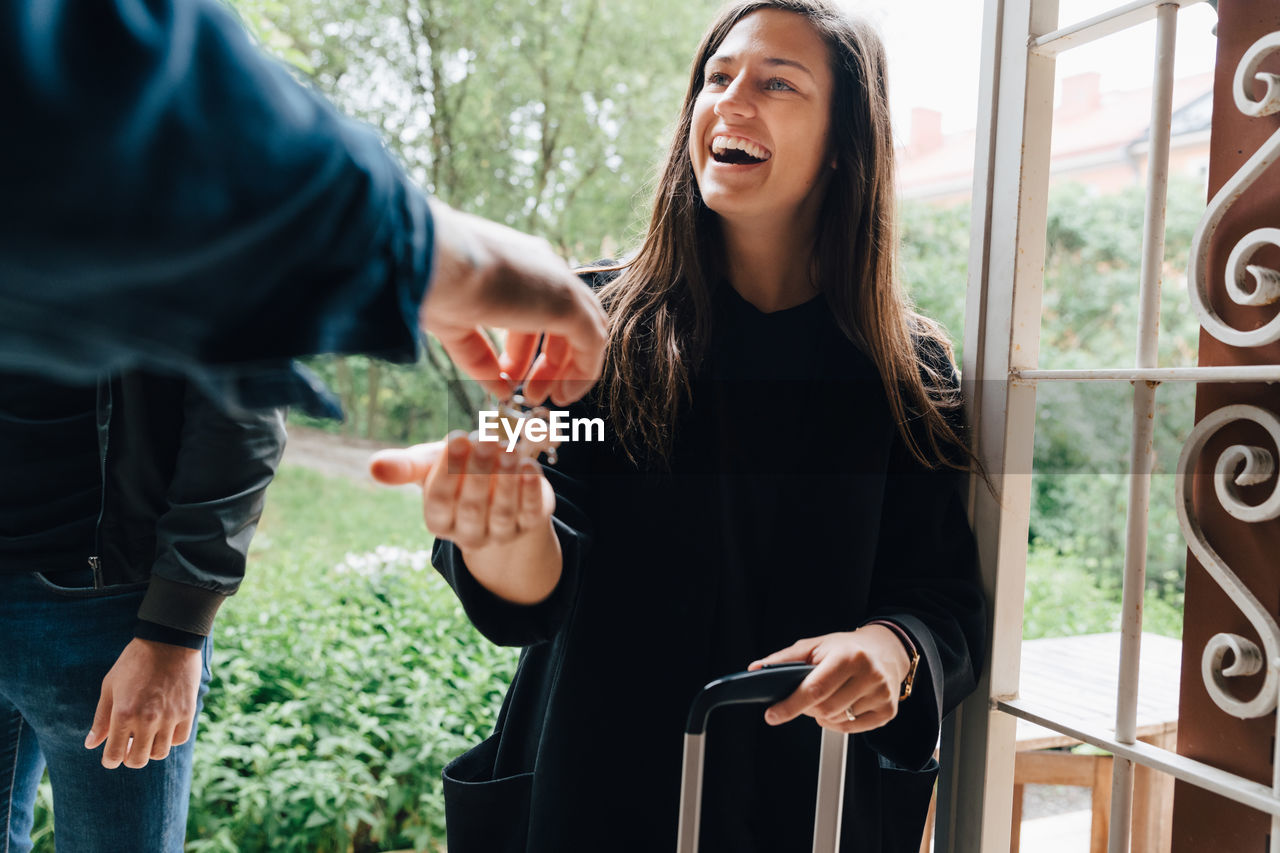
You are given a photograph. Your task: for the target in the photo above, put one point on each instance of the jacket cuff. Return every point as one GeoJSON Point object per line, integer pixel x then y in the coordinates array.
{"type": "Point", "coordinates": [909, 739]}
{"type": "Point", "coordinates": [179, 605]}
{"type": "Point", "coordinates": [144, 630]}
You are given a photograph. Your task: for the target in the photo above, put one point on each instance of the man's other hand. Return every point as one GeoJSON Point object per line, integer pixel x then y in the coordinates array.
{"type": "Point", "coordinates": [148, 703]}
{"type": "Point", "coordinates": [489, 276]}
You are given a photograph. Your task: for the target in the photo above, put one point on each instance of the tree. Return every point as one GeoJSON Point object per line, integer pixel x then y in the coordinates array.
{"type": "Point", "coordinates": [1089, 319]}
{"type": "Point", "coordinates": [545, 114]}
{"type": "Point", "coordinates": [548, 115]}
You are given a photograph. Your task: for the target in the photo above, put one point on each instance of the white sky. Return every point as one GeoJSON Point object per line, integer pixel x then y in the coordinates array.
{"type": "Point", "coordinates": [933, 48]}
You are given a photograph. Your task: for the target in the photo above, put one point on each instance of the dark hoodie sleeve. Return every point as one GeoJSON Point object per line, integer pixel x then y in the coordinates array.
{"type": "Point", "coordinates": [926, 580]}
{"type": "Point", "coordinates": [175, 198]}
{"type": "Point", "coordinates": [214, 500]}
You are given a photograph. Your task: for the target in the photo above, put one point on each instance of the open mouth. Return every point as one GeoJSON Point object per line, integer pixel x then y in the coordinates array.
{"type": "Point", "coordinates": [736, 151]}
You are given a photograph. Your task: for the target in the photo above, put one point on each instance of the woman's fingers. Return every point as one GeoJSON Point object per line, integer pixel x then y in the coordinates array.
{"type": "Point", "coordinates": [850, 679]}
{"type": "Point", "coordinates": [401, 466]}
{"type": "Point", "coordinates": [817, 686]}
{"type": "Point", "coordinates": [868, 703]}
{"type": "Point", "coordinates": [865, 719]}
{"type": "Point", "coordinates": [471, 518]}
{"type": "Point", "coordinates": [506, 498]}
{"type": "Point", "coordinates": [848, 697]}
{"type": "Point", "coordinates": [797, 652]}
{"type": "Point", "coordinates": [440, 492]}
{"type": "Point", "coordinates": [478, 493]}
{"type": "Point", "coordinates": [533, 495]}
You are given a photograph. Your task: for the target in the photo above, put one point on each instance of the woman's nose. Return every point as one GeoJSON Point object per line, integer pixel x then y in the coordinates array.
{"type": "Point", "coordinates": [735, 101]}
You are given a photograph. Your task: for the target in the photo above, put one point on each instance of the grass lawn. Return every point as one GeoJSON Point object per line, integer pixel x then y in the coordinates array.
{"type": "Point", "coordinates": [314, 520]}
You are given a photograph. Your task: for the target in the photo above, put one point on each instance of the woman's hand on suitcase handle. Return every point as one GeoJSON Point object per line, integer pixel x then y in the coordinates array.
{"type": "Point", "coordinates": [859, 672]}
{"type": "Point", "coordinates": [495, 505]}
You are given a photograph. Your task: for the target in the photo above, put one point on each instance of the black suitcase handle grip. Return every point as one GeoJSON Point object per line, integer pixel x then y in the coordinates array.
{"type": "Point", "coordinates": [772, 683]}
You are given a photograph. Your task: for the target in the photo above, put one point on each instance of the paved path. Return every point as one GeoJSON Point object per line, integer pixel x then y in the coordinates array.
{"type": "Point", "coordinates": [334, 455]}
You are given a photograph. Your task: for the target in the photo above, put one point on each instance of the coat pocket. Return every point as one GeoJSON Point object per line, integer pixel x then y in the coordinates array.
{"type": "Point", "coordinates": [905, 795]}
{"type": "Point", "coordinates": [485, 813]}
{"type": "Point", "coordinates": [78, 583]}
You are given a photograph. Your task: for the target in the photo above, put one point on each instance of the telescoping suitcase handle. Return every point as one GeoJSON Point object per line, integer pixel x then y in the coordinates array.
{"type": "Point", "coordinates": [762, 686]}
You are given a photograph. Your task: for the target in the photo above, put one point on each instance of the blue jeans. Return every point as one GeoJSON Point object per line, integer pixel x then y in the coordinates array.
{"type": "Point", "coordinates": [57, 642]}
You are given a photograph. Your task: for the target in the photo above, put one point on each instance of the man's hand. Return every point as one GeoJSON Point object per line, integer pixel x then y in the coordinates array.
{"type": "Point", "coordinates": [487, 275]}
{"type": "Point", "coordinates": [148, 703]}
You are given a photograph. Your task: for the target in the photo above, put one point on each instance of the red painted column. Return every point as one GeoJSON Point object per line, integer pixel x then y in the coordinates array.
{"type": "Point", "coordinates": [1204, 822]}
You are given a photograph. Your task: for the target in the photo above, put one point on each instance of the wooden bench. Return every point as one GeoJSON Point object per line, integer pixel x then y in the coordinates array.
{"type": "Point", "coordinates": [1075, 677]}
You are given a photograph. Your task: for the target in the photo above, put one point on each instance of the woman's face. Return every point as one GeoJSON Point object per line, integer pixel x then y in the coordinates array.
{"type": "Point", "coordinates": [758, 142]}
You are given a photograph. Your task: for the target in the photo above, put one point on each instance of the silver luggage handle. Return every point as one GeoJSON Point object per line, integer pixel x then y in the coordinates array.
{"type": "Point", "coordinates": [762, 686]}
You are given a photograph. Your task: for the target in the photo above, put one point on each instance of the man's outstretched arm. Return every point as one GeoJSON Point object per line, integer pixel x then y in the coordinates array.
{"type": "Point", "coordinates": [174, 198]}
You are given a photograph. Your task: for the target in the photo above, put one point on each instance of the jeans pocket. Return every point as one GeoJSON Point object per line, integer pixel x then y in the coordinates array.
{"type": "Point", "coordinates": [79, 583]}
{"type": "Point", "coordinates": [485, 813]}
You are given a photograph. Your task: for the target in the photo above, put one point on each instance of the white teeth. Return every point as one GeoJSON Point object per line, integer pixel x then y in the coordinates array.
{"type": "Point", "coordinates": [721, 144]}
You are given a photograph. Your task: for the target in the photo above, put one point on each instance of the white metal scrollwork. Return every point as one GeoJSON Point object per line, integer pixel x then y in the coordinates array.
{"type": "Point", "coordinates": [1266, 282]}
{"type": "Point", "coordinates": [1258, 465]}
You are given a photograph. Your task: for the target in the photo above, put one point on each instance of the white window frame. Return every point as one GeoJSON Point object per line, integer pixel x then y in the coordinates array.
{"type": "Point", "coordinates": [1021, 40]}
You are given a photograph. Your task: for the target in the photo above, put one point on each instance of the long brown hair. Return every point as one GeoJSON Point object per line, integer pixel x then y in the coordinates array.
{"type": "Point", "coordinates": [660, 306]}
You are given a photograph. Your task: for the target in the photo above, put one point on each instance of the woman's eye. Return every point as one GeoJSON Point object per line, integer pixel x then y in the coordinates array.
{"type": "Point", "coordinates": [717, 78]}
{"type": "Point", "coordinates": [776, 85]}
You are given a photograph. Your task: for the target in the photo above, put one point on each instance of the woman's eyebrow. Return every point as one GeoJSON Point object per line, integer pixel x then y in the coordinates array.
{"type": "Point", "coordinates": [728, 58]}
{"type": "Point", "coordinates": [789, 63]}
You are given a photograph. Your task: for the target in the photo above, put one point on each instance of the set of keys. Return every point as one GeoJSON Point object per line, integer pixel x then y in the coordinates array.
{"type": "Point", "coordinates": [515, 409]}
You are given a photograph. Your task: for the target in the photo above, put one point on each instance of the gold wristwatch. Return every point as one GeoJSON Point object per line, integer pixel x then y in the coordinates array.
{"type": "Point", "coordinates": [912, 653]}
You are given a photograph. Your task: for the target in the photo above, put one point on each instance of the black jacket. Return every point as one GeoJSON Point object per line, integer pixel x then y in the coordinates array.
{"type": "Point", "coordinates": [791, 508]}
{"type": "Point", "coordinates": [183, 486]}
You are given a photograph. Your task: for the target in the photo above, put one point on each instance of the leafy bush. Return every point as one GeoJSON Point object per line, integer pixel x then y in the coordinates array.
{"type": "Point", "coordinates": [334, 708]}
{"type": "Point", "coordinates": [1065, 598]}
{"type": "Point", "coordinates": [345, 676]}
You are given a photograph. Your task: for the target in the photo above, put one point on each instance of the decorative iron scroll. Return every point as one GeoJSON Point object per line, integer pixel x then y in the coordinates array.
{"type": "Point", "coordinates": [1255, 465]}
{"type": "Point", "coordinates": [1266, 282]}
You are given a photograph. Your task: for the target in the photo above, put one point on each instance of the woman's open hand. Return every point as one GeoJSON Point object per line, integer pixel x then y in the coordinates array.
{"type": "Point", "coordinates": [493, 504]}
{"type": "Point", "coordinates": [855, 682]}
{"type": "Point", "coordinates": [483, 495]}
{"type": "Point", "coordinates": [474, 493]}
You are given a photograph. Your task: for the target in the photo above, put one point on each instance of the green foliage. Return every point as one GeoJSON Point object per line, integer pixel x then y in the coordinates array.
{"type": "Point", "coordinates": [333, 710]}
{"type": "Point", "coordinates": [934, 254]}
{"type": "Point", "coordinates": [396, 403]}
{"type": "Point", "coordinates": [1089, 319]}
{"type": "Point", "coordinates": [42, 829]}
{"type": "Point", "coordinates": [1064, 599]}
{"type": "Point", "coordinates": [345, 676]}
{"type": "Point", "coordinates": [544, 114]}
{"type": "Point", "coordinates": [1090, 304]}
{"type": "Point", "coordinates": [548, 115]}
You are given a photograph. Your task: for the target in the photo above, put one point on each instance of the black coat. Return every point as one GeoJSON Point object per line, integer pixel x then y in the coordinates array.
{"type": "Point", "coordinates": [183, 489]}
{"type": "Point", "coordinates": [791, 509]}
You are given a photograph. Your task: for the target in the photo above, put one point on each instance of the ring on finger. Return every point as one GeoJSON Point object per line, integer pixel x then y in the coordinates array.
{"type": "Point", "coordinates": [849, 715]}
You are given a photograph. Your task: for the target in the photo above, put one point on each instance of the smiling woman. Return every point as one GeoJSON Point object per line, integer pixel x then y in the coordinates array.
{"type": "Point", "coordinates": [697, 539]}
{"type": "Point", "coordinates": [759, 144]}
